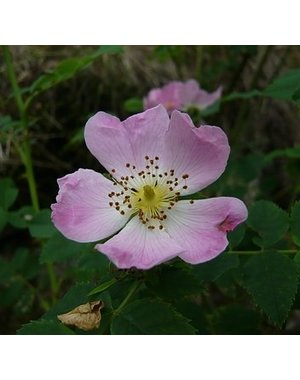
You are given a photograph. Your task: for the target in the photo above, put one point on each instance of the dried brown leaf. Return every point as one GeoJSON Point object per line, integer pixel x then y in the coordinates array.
{"type": "Point", "coordinates": [85, 317]}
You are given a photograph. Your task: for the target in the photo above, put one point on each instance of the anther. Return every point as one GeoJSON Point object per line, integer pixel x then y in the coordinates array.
{"type": "Point", "coordinates": [122, 212]}
{"type": "Point", "coordinates": [191, 201]}
{"type": "Point", "coordinates": [184, 187]}
{"type": "Point", "coordinates": [127, 165]}
{"type": "Point", "coordinates": [146, 157]}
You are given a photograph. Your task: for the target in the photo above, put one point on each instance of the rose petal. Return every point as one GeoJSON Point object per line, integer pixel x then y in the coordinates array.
{"type": "Point", "coordinates": [202, 153]}
{"type": "Point", "coordinates": [146, 133]}
{"type": "Point", "coordinates": [189, 92]}
{"type": "Point", "coordinates": [137, 246]}
{"type": "Point", "coordinates": [82, 212]}
{"type": "Point", "coordinates": [108, 141]}
{"type": "Point", "coordinates": [170, 96]}
{"type": "Point", "coordinates": [205, 99]}
{"type": "Point", "coordinates": [116, 143]}
{"type": "Point", "coordinates": [200, 228]}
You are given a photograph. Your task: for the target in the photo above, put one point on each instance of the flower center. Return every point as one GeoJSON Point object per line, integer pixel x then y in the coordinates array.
{"type": "Point", "coordinates": [149, 193]}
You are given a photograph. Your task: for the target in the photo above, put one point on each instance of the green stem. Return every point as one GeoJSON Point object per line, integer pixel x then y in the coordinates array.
{"type": "Point", "coordinates": [13, 80]}
{"type": "Point", "coordinates": [24, 151]}
{"type": "Point", "coordinates": [132, 290]}
{"type": "Point", "coordinates": [25, 155]}
{"type": "Point", "coordinates": [286, 251]}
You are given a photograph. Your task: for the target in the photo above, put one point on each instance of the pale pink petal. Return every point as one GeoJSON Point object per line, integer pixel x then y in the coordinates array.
{"type": "Point", "coordinates": [153, 98]}
{"type": "Point", "coordinates": [190, 91]}
{"type": "Point", "coordinates": [170, 96]}
{"type": "Point", "coordinates": [82, 212]}
{"type": "Point", "coordinates": [116, 144]}
{"type": "Point", "coordinates": [202, 152]}
{"type": "Point", "coordinates": [200, 228]}
{"type": "Point", "coordinates": [146, 133]}
{"type": "Point", "coordinates": [137, 246]}
{"type": "Point", "coordinates": [108, 141]}
{"type": "Point", "coordinates": [205, 99]}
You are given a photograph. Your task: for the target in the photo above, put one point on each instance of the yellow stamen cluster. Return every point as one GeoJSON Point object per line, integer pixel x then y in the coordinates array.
{"type": "Point", "coordinates": [148, 193]}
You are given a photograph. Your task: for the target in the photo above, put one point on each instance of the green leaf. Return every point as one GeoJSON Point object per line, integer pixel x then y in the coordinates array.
{"type": "Point", "coordinates": [22, 217]}
{"type": "Point", "coordinates": [172, 283]}
{"type": "Point", "coordinates": [297, 261]}
{"type": "Point", "coordinates": [8, 193]}
{"type": "Point", "coordinates": [295, 223]}
{"type": "Point", "coordinates": [235, 320]}
{"type": "Point", "coordinates": [241, 95]}
{"type": "Point", "coordinates": [236, 236]}
{"type": "Point", "coordinates": [133, 105]}
{"type": "Point", "coordinates": [43, 327]}
{"type": "Point", "coordinates": [75, 296]}
{"type": "Point", "coordinates": [69, 67]}
{"type": "Point", "coordinates": [58, 248]}
{"type": "Point", "coordinates": [288, 152]}
{"type": "Point", "coordinates": [285, 86]}
{"type": "Point", "coordinates": [22, 265]}
{"type": "Point", "coordinates": [148, 316]}
{"type": "Point", "coordinates": [102, 287]}
{"type": "Point", "coordinates": [296, 96]}
{"type": "Point", "coordinates": [3, 218]}
{"type": "Point", "coordinates": [194, 312]}
{"type": "Point", "coordinates": [269, 221]}
{"type": "Point", "coordinates": [41, 225]}
{"type": "Point", "coordinates": [272, 280]}
{"type": "Point", "coordinates": [212, 270]}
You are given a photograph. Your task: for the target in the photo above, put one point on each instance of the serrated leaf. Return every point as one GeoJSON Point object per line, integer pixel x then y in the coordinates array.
{"type": "Point", "coordinates": [43, 327]}
{"type": "Point", "coordinates": [148, 316]}
{"type": "Point", "coordinates": [295, 223]}
{"type": "Point", "coordinates": [235, 320]}
{"type": "Point", "coordinates": [194, 312]}
{"type": "Point", "coordinates": [212, 270]}
{"type": "Point", "coordinates": [285, 86]}
{"type": "Point", "coordinates": [173, 283]}
{"type": "Point", "coordinates": [269, 221]}
{"type": "Point", "coordinates": [8, 193]}
{"type": "Point", "coordinates": [58, 248]}
{"type": "Point", "coordinates": [41, 225]}
{"type": "Point", "coordinates": [272, 280]}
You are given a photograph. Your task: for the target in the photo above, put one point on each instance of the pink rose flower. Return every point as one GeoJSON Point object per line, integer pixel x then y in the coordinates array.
{"type": "Point", "coordinates": [153, 161]}
{"type": "Point", "coordinates": [181, 96]}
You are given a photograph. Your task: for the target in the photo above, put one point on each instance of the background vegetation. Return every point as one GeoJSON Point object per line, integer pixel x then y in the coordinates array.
{"type": "Point", "coordinates": [48, 94]}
